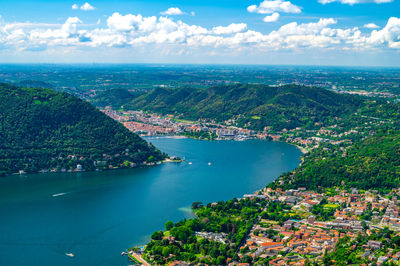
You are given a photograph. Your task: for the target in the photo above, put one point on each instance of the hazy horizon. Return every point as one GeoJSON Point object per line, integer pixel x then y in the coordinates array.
{"type": "Point", "coordinates": [254, 32]}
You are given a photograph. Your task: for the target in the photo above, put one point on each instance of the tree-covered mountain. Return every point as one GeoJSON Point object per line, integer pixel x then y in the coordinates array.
{"type": "Point", "coordinates": [253, 106]}
{"type": "Point", "coordinates": [43, 129]}
{"type": "Point", "coordinates": [371, 163]}
{"type": "Point", "coordinates": [114, 97]}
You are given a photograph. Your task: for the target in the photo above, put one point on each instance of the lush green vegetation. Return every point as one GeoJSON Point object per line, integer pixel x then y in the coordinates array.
{"type": "Point", "coordinates": [323, 211]}
{"type": "Point", "coordinates": [371, 163]}
{"type": "Point", "coordinates": [252, 106]}
{"type": "Point", "coordinates": [352, 251]}
{"type": "Point", "coordinates": [115, 98]}
{"type": "Point", "coordinates": [234, 218]}
{"type": "Point", "coordinates": [43, 129]}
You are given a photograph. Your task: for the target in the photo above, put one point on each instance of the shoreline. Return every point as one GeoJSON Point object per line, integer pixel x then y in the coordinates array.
{"type": "Point", "coordinates": [303, 150]}
{"type": "Point", "coordinates": [84, 171]}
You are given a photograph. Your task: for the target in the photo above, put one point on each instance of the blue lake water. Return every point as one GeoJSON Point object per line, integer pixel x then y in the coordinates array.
{"type": "Point", "coordinates": [98, 215]}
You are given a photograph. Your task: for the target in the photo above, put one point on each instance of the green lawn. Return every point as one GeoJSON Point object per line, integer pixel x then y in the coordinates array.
{"type": "Point", "coordinates": [331, 206]}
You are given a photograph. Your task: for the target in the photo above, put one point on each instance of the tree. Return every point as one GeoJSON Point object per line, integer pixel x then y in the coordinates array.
{"type": "Point", "coordinates": [157, 235]}
{"type": "Point", "coordinates": [220, 260]}
{"type": "Point", "coordinates": [197, 204]}
{"type": "Point", "coordinates": [166, 251]}
{"type": "Point", "coordinates": [247, 259]}
{"type": "Point", "coordinates": [169, 225]}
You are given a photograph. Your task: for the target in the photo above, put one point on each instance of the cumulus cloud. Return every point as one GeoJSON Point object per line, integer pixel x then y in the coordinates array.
{"type": "Point", "coordinates": [371, 26]}
{"type": "Point", "coordinates": [65, 35]}
{"type": "Point", "coordinates": [272, 18]}
{"type": "Point", "coordinates": [172, 11]}
{"type": "Point", "coordinates": [233, 28]}
{"type": "Point", "coordinates": [269, 7]}
{"type": "Point", "coordinates": [389, 35]}
{"type": "Point", "coordinates": [85, 7]}
{"type": "Point", "coordinates": [353, 2]}
{"type": "Point", "coordinates": [135, 30]}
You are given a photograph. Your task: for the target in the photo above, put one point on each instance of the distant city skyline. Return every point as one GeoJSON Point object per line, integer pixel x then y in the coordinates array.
{"type": "Point", "coordinates": [314, 32]}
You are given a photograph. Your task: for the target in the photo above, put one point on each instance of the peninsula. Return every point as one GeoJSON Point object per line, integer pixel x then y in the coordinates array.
{"type": "Point", "coordinates": [42, 130]}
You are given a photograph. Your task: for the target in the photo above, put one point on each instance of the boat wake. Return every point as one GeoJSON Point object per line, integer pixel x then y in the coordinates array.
{"type": "Point", "coordinates": [59, 194]}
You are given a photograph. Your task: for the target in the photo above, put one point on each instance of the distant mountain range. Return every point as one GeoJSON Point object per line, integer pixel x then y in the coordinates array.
{"type": "Point", "coordinates": [254, 106]}
{"type": "Point", "coordinates": [41, 129]}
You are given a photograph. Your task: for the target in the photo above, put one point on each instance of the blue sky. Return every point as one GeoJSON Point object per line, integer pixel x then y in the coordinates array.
{"type": "Point", "coordinates": [315, 32]}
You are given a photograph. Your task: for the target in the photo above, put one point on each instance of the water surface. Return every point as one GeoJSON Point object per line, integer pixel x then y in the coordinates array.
{"type": "Point", "coordinates": [98, 215]}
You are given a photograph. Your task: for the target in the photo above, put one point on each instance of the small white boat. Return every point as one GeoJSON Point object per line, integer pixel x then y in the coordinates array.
{"type": "Point", "coordinates": [209, 163]}
{"type": "Point", "coordinates": [70, 255]}
{"type": "Point", "coordinates": [189, 163]}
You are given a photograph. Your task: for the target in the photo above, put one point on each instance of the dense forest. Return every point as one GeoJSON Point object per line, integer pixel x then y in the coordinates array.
{"type": "Point", "coordinates": [371, 163]}
{"type": "Point", "coordinates": [252, 106]}
{"type": "Point", "coordinates": [41, 129]}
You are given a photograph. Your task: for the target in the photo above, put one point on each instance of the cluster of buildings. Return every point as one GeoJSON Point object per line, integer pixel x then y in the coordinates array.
{"type": "Point", "coordinates": [381, 94]}
{"type": "Point", "coordinates": [217, 237]}
{"type": "Point", "coordinates": [295, 239]}
{"type": "Point", "coordinates": [293, 242]}
{"type": "Point", "coordinates": [148, 124]}
{"type": "Point", "coordinates": [308, 139]}
{"type": "Point", "coordinates": [148, 129]}
{"type": "Point", "coordinates": [156, 125]}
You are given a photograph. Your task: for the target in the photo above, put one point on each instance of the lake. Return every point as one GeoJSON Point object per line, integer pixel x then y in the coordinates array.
{"type": "Point", "coordinates": [97, 215]}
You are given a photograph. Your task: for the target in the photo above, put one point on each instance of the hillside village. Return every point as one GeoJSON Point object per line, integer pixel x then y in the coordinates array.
{"type": "Point", "coordinates": [365, 224]}
{"type": "Point", "coordinates": [351, 214]}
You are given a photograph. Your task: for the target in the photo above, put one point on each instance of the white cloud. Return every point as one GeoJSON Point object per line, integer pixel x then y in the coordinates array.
{"type": "Point", "coordinates": [87, 7]}
{"type": "Point", "coordinates": [233, 28]}
{"type": "Point", "coordinates": [389, 35]}
{"type": "Point", "coordinates": [272, 18]}
{"type": "Point", "coordinates": [135, 30]}
{"type": "Point", "coordinates": [353, 2]}
{"type": "Point", "coordinates": [129, 22]}
{"type": "Point", "coordinates": [371, 26]}
{"type": "Point", "coordinates": [172, 11]}
{"type": "Point", "coordinates": [269, 7]}
{"type": "Point", "coordinates": [66, 35]}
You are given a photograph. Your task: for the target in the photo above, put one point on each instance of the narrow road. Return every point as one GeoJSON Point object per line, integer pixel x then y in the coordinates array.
{"type": "Point", "coordinates": [139, 258]}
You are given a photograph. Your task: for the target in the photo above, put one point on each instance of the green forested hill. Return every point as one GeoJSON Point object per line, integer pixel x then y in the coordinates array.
{"type": "Point", "coordinates": [115, 98]}
{"type": "Point", "coordinates": [372, 163]}
{"type": "Point", "coordinates": [256, 106]}
{"type": "Point", "coordinates": [43, 129]}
